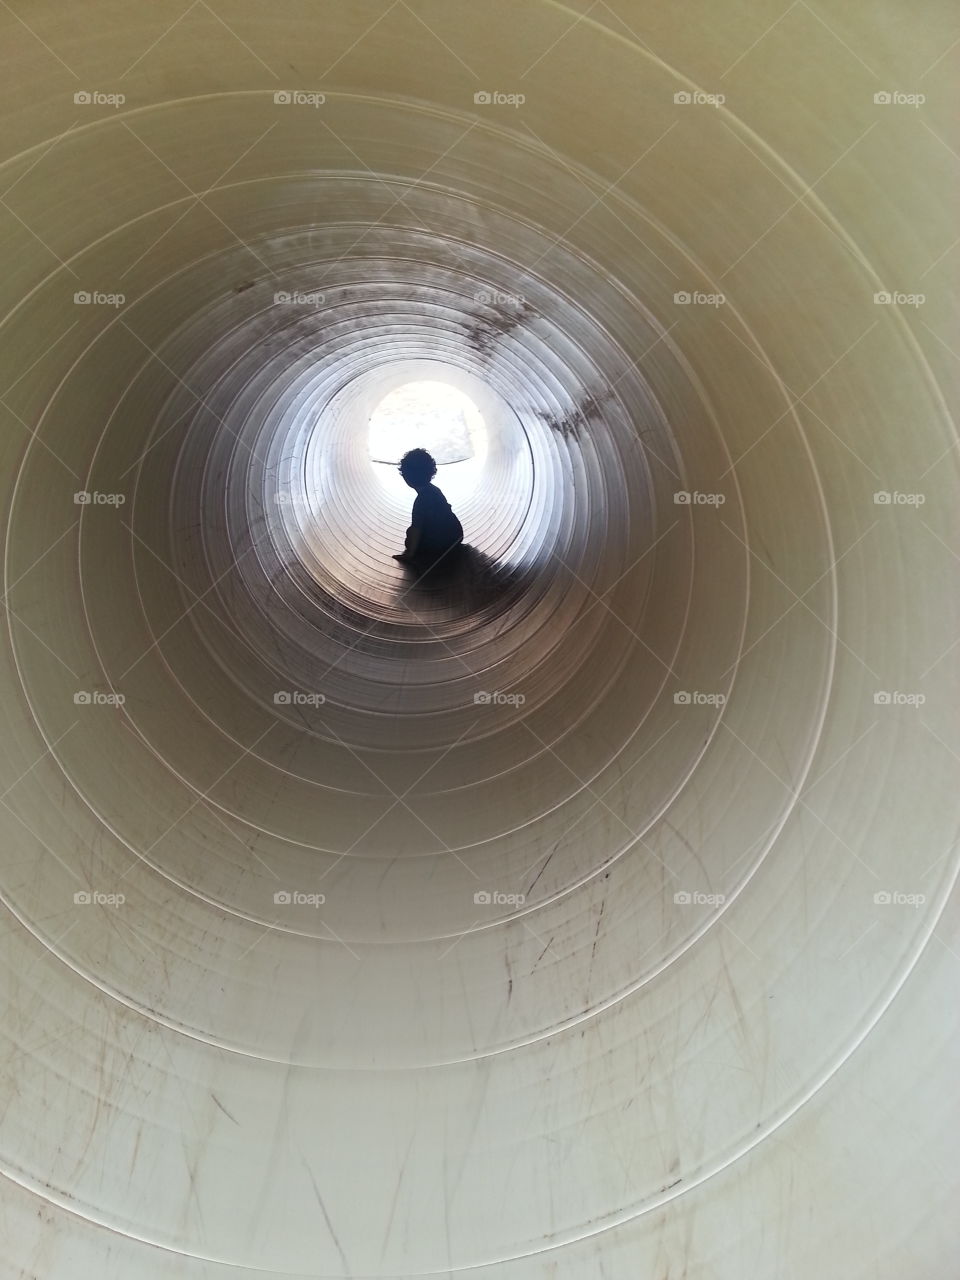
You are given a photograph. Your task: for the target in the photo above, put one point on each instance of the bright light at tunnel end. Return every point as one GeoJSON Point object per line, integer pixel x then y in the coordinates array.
{"type": "Point", "coordinates": [434, 415]}
{"type": "Point", "coordinates": [427, 415]}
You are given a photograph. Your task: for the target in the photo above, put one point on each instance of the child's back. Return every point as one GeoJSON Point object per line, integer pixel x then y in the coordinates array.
{"type": "Point", "coordinates": [434, 517]}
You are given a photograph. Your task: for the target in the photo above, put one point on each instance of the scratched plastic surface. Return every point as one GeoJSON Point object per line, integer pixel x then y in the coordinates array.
{"type": "Point", "coordinates": [586, 913]}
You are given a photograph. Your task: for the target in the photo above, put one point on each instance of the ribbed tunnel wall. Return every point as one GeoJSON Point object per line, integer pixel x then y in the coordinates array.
{"type": "Point", "coordinates": [645, 966]}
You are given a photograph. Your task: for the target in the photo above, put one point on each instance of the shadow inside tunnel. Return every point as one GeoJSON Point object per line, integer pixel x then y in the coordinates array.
{"type": "Point", "coordinates": [465, 580]}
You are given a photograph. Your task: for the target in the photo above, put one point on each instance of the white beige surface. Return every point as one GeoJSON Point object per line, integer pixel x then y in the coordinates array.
{"type": "Point", "coordinates": [699, 1045]}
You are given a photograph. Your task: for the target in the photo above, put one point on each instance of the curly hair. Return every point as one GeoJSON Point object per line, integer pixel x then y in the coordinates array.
{"type": "Point", "coordinates": [418, 465]}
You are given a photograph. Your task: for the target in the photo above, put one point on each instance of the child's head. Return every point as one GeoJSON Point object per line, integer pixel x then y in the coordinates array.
{"type": "Point", "coordinates": [418, 468]}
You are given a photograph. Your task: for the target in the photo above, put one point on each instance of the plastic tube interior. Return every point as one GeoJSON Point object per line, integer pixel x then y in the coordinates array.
{"type": "Point", "coordinates": [586, 912]}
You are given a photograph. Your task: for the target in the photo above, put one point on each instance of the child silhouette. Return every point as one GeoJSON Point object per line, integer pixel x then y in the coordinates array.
{"type": "Point", "coordinates": [434, 530]}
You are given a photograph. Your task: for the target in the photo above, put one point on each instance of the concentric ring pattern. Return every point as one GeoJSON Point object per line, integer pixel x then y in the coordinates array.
{"type": "Point", "coordinates": [584, 910]}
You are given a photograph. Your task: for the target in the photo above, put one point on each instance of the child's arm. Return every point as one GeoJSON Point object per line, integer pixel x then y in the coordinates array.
{"type": "Point", "coordinates": [415, 532]}
{"type": "Point", "coordinates": [410, 545]}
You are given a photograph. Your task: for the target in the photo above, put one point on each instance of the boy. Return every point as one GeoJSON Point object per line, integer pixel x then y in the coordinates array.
{"type": "Point", "coordinates": [434, 530]}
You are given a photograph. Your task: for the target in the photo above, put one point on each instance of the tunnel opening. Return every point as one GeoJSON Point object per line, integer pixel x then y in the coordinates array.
{"type": "Point", "coordinates": [437, 416]}
{"type": "Point", "coordinates": [425, 415]}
